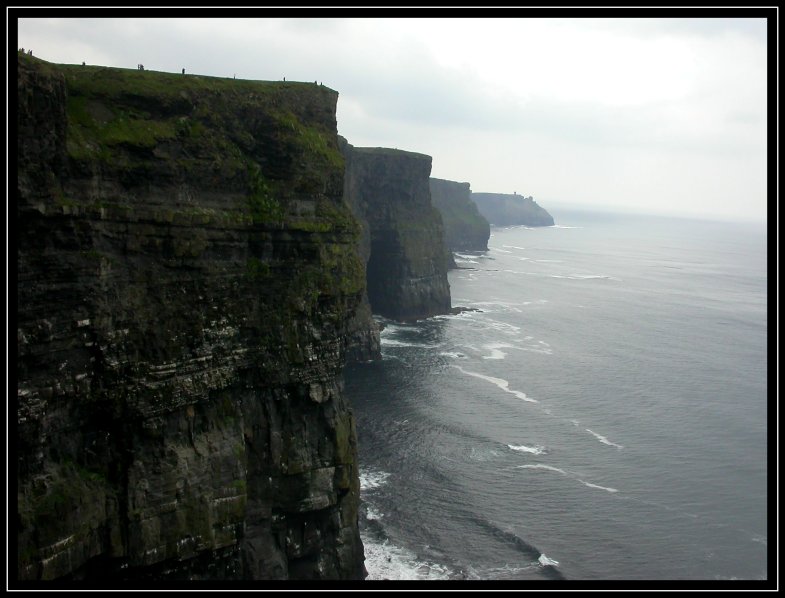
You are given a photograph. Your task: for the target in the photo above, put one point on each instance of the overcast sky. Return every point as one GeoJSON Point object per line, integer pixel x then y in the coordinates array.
{"type": "Point", "coordinates": [654, 115]}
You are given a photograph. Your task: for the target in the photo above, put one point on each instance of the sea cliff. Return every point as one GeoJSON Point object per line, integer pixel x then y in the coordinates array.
{"type": "Point", "coordinates": [188, 288]}
{"type": "Point", "coordinates": [465, 229]}
{"type": "Point", "coordinates": [503, 209]}
{"type": "Point", "coordinates": [402, 238]}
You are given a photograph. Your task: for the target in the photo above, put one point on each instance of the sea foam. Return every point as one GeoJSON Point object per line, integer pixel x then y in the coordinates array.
{"type": "Point", "coordinates": [603, 439]}
{"type": "Point", "coordinates": [495, 352]}
{"type": "Point", "coordinates": [598, 487]}
{"type": "Point", "coordinates": [543, 466]}
{"type": "Point", "coordinates": [536, 450]}
{"type": "Point", "coordinates": [503, 384]}
{"type": "Point", "coordinates": [384, 560]}
{"type": "Point", "coordinates": [569, 475]}
{"type": "Point", "coordinates": [371, 479]}
{"type": "Point", "coordinates": [545, 561]}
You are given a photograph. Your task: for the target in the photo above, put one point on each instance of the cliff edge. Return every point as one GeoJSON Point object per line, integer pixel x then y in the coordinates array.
{"type": "Point", "coordinates": [187, 275]}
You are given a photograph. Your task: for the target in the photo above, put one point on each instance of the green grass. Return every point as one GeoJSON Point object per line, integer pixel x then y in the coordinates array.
{"type": "Point", "coordinates": [264, 208]}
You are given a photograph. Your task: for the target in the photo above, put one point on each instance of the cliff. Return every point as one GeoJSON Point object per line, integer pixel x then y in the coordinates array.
{"type": "Point", "coordinates": [187, 281]}
{"type": "Point", "coordinates": [465, 229]}
{"type": "Point", "coordinates": [506, 210]}
{"type": "Point", "coordinates": [402, 233]}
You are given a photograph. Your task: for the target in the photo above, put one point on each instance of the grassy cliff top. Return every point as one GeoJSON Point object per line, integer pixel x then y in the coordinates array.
{"type": "Point", "coordinates": [386, 151]}
{"type": "Point", "coordinates": [109, 81]}
{"type": "Point", "coordinates": [197, 123]}
{"type": "Point", "coordinates": [272, 142]}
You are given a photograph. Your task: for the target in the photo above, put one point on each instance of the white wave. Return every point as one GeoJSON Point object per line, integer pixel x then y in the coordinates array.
{"type": "Point", "coordinates": [513, 247]}
{"type": "Point", "coordinates": [545, 561]}
{"type": "Point", "coordinates": [583, 277]}
{"type": "Point", "coordinates": [384, 560]}
{"type": "Point", "coordinates": [504, 327]}
{"type": "Point", "coordinates": [542, 466]}
{"type": "Point", "coordinates": [561, 226]}
{"type": "Point", "coordinates": [372, 513]}
{"type": "Point", "coordinates": [495, 352]}
{"type": "Point", "coordinates": [603, 439]}
{"type": "Point", "coordinates": [463, 315]}
{"type": "Point", "coordinates": [391, 342]}
{"type": "Point", "coordinates": [548, 261]}
{"type": "Point", "coordinates": [536, 450]}
{"type": "Point", "coordinates": [462, 257]}
{"type": "Point", "coordinates": [391, 326]}
{"type": "Point", "coordinates": [524, 259]}
{"type": "Point", "coordinates": [454, 355]}
{"type": "Point", "coordinates": [503, 384]}
{"type": "Point", "coordinates": [575, 422]}
{"type": "Point", "coordinates": [569, 475]}
{"type": "Point", "coordinates": [371, 479]}
{"type": "Point", "coordinates": [596, 486]}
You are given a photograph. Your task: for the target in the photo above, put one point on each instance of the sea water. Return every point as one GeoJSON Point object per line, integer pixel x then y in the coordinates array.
{"type": "Point", "coordinates": [600, 416]}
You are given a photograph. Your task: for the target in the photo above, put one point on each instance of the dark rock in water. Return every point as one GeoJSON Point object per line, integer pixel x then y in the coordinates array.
{"type": "Point", "coordinates": [188, 278]}
{"type": "Point", "coordinates": [402, 236]}
{"type": "Point", "coordinates": [459, 310]}
{"type": "Point", "coordinates": [502, 209]}
{"type": "Point", "coordinates": [465, 229]}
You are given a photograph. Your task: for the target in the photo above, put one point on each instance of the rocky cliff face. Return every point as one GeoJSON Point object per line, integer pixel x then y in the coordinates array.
{"type": "Point", "coordinates": [465, 229]}
{"type": "Point", "coordinates": [502, 209]}
{"type": "Point", "coordinates": [187, 277]}
{"type": "Point", "coordinates": [402, 238]}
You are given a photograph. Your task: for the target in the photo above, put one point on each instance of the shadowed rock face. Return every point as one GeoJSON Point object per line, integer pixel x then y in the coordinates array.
{"type": "Point", "coordinates": [402, 238]}
{"type": "Point", "coordinates": [465, 229]}
{"type": "Point", "coordinates": [187, 278]}
{"type": "Point", "coordinates": [507, 210]}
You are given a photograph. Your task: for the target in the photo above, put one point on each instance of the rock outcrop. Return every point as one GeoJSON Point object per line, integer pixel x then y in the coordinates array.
{"type": "Point", "coordinates": [465, 229]}
{"type": "Point", "coordinates": [402, 238]}
{"type": "Point", "coordinates": [188, 278]}
{"type": "Point", "coordinates": [502, 209]}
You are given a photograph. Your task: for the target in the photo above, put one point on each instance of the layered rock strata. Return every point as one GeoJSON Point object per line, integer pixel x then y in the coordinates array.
{"type": "Point", "coordinates": [403, 235]}
{"type": "Point", "coordinates": [187, 281]}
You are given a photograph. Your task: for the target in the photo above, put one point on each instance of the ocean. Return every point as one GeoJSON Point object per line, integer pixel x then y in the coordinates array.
{"type": "Point", "coordinates": [600, 414]}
